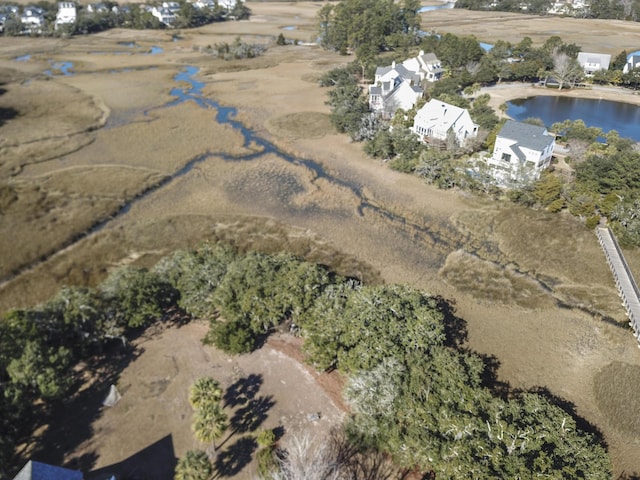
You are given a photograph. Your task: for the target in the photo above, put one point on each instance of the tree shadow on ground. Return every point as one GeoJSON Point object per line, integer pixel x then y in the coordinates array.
{"type": "Point", "coordinates": [490, 376]}
{"type": "Point", "coordinates": [455, 328]}
{"type": "Point", "coordinates": [70, 422]}
{"type": "Point", "coordinates": [7, 113]}
{"type": "Point", "coordinates": [249, 417]}
{"type": "Point", "coordinates": [569, 407]}
{"type": "Point", "coordinates": [233, 459]}
{"type": "Point", "coordinates": [243, 390]}
{"type": "Point", "coordinates": [628, 476]}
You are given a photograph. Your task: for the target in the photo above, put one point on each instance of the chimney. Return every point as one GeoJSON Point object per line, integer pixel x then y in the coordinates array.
{"type": "Point", "coordinates": [393, 64]}
{"type": "Point", "coordinates": [421, 53]}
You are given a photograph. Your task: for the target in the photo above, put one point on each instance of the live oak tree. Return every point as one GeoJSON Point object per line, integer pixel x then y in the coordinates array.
{"type": "Point", "coordinates": [566, 69]}
{"type": "Point", "coordinates": [196, 274]}
{"type": "Point", "coordinates": [369, 26]}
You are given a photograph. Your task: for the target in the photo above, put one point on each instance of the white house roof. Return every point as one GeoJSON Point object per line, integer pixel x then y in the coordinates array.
{"type": "Point", "coordinates": [525, 135]}
{"type": "Point", "coordinates": [601, 59]}
{"type": "Point", "coordinates": [441, 113]}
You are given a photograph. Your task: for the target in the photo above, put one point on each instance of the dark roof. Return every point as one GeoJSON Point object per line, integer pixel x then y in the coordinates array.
{"type": "Point", "coordinates": [528, 136]}
{"type": "Point", "coordinates": [41, 471]}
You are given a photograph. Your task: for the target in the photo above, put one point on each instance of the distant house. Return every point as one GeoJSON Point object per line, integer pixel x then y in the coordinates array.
{"type": "Point", "coordinates": [633, 61]}
{"type": "Point", "coordinates": [438, 120]}
{"type": "Point", "coordinates": [521, 152]}
{"type": "Point", "coordinates": [163, 14]}
{"type": "Point", "coordinates": [97, 8]}
{"type": "Point", "coordinates": [592, 62]}
{"type": "Point", "coordinates": [32, 17]}
{"type": "Point", "coordinates": [173, 6]}
{"type": "Point", "coordinates": [227, 4]}
{"type": "Point", "coordinates": [41, 471]}
{"type": "Point", "coordinates": [66, 13]}
{"type": "Point", "coordinates": [200, 4]}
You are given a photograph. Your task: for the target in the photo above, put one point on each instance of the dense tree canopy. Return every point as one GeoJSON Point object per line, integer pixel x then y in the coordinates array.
{"type": "Point", "coordinates": [367, 27]}
{"type": "Point", "coordinates": [414, 394]}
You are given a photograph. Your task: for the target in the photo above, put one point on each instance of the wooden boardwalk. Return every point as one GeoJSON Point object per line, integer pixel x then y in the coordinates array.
{"type": "Point", "coordinates": [627, 286]}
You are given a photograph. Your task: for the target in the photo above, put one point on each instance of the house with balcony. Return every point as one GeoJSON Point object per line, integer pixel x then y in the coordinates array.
{"type": "Point", "coordinates": [438, 121]}
{"type": "Point", "coordinates": [401, 85]}
{"type": "Point", "coordinates": [521, 152]}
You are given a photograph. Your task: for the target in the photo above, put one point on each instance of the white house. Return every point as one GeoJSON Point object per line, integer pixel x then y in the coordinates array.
{"type": "Point", "coordinates": [521, 152]}
{"type": "Point", "coordinates": [97, 8]}
{"type": "Point", "coordinates": [592, 62]}
{"type": "Point", "coordinates": [228, 4]}
{"type": "Point", "coordinates": [400, 85]}
{"type": "Point", "coordinates": [426, 66]}
{"type": "Point", "coordinates": [633, 61]}
{"type": "Point", "coordinates": [173, 6]}
{"type": "Point", "coordinates": [66, 13]}
{"type": "Point", "coordinates": [163, 14]}
{"type": "Point", "coordinates": [438, 120]}
{"type": "Point", "coordinates": [200, 4]}
{"type": "Point", "coordinates": [32, 17]}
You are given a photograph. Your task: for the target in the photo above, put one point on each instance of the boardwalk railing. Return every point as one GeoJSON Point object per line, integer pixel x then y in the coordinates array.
{"type": "Point", "coordinates": [627, 286]}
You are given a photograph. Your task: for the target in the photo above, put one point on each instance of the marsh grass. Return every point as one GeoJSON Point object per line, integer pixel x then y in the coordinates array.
{"type": "Point", "coordinates": [301, 125]}
{"type": "Point", "coordinates": [145, 243]}
{"type": "Point", "coordinates": [558, 251]}
{"type": "Point", "coordinates": [617, 392]}
{"type": "Point", "coordinates": [492, 283]}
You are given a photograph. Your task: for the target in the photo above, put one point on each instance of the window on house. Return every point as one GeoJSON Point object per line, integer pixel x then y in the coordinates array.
{"type": "Point", "coordinates": [506, 157]}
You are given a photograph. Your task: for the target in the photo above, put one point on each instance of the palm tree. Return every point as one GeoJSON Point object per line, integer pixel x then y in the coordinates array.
{"type": "Point", "coordinates": [209, 423]}
{"type": "Point", "coordinates": [195, 465]}
{"type": "Point", "coordinates": [204, 390]}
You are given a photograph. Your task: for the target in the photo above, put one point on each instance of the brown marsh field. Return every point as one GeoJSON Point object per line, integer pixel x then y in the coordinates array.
{"type": "Point", "coordinates": [100, 169]}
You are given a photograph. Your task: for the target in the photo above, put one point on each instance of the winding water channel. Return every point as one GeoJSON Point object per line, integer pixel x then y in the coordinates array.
{"type": "Point", "coordinates": [226, 116]}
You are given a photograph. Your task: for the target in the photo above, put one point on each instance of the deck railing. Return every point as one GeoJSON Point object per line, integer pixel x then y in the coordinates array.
{"type": "Point", "coordinates": [627, 286]}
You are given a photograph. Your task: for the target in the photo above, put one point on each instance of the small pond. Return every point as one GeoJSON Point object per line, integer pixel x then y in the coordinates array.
{"type": "Point", "coordinates": [605, 114]}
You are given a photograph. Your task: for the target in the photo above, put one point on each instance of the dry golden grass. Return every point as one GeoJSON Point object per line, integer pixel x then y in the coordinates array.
{"type": "Point", "coordinates": [617, 392]}
{"type": "Point", "coordinates": [592, 35]}
{"type": "Point", "coordinates": [493, 283]}
{"type": "Point", "coordinates": [53, 119]}
{"type": "Point", "coordinates": [360, 218]}
{"type": "Point", "coordinates": [301, 125]}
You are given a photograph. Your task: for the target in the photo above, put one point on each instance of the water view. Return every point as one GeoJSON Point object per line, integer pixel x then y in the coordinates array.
{"type": "Point", "coordinates": [605, 114]}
